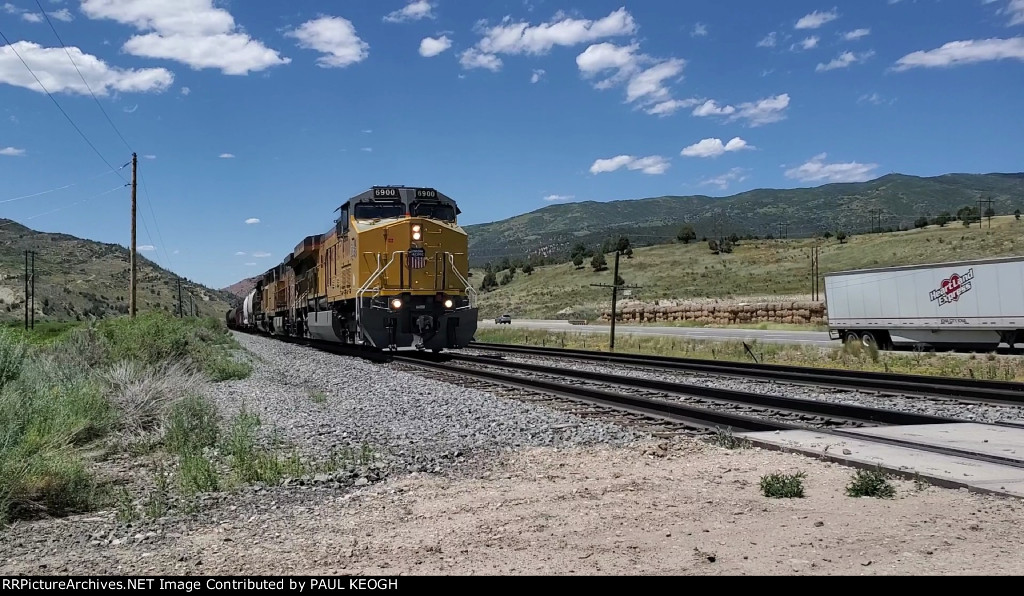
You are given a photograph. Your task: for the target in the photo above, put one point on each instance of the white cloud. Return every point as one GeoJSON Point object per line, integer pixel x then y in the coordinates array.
{"type": "Point", "coordinates": [514, 38]}
{"type": "Point", "coordinates": [367, 131]}
{"type": "Point", "coordinates": [654, 164]}
{"type": "Point", "coordinates": [670, 106]}
{"type": "Point", "coordinates": [250, 264]}
{"type": "Point", "coordinates": [132, 109]}
{"type": "Point", "coordinates": [808, 43]}
{"type": "Point", "coordinates": [473, 58]}
{"type": "Point", "coordinates": [62, 14]}
{"type": "Point", "coordinates": [711, 108]}
{"type": "Point", "coordinates": [856, 34]}
{"type": "Point", "coordinates": [768, 41]}
{"type": "Point", "coordinates": [252, 220]}
{"type": "Point", "coordinates": [146, 248]}
{"type": "Point", "coordinates": [816, 170]}
{"type": "Point", "coordinates": [715, 147]}
{"type": "Point", "coordinates": [430, 46]}
{"type": "Point", "coordinates": [723, 181]}
{"type": "Point", "coordinates": [192, 32]}
{"type": "Point", "coordinates": [553, 198]}
{"type": "Point", "coordinates": [261, 255]}
{"type": "Point", "coordinates": [756, 113]}
{"type": "Point", "coordinates": [367, 149]}
{"type": "Point", "coordinates": [149, 156]}
{"type": "Point", "coordinates": [1016, 11]}
{"type": "Point", "coordinates": [335, 37]}
{"type": "Point", "coordinates": [522, 38]}
{"type": "Point", "coordinates": [58, 74]}
{"type": "Point", "coordinates": [956, 53]}
{"type": "Point", "coordinates": [414, 11]}
{"type": "Point", "coordinates": [816, 19]}
{"type": "Point", "coordinates": [25, 15]}
{"type": "Point", "coordinates": [874, 98]}
{"type": "Point", "coordinates": [185, 91]}
{"type": "Point", "coordinates": [240, 254]}
{"type": "Point", "coordinates": [844, 60]}
{"type": "Point", "coordinates": [226, 156]}
{"type": "Point", "coordinates": [537, 74]}
{"type": "Point", "coordinates": [644, 86]}
{"type": "Point", "coordinates": [12, 151]}
{"type": "Point", "coordinates": [699, 30]}
{"type": "Point", "coordinates": [176, 251]}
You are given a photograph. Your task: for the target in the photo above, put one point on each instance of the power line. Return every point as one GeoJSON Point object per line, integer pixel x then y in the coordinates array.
{"type": "Point", "coordinates": [56, 103]}
{"type": "Point", "coordinates": [66, 186]}
{"type": "Point", "coordinates": [160, 237]}
{"type": "Point", "coordinates": [96, 196]}
{"type": "Point", "coordinates": [57, 35]}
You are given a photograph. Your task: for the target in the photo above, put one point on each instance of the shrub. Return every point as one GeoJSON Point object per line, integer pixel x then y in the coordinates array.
{"type": "Point", "coordinates": [783, 486]}
{"type": "Point", "coordinates": [870, 483]}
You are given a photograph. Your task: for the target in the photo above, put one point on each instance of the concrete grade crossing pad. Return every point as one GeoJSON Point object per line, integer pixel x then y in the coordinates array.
{"type": "Point", "coordinates": [953, 471]}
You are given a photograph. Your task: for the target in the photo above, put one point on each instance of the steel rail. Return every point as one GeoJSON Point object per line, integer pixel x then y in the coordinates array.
{"type": "Point", "coordinates": [998, 392]}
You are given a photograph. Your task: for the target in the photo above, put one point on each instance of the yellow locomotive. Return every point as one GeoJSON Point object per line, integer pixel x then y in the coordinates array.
{"type": "Point", "coordinates": [391, 273]}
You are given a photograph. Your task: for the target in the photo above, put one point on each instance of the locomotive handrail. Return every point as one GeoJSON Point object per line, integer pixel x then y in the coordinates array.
{"type": "Point", "coordinates": [470, 290]}
{"type": "Point", "coordinates": [366, 286]}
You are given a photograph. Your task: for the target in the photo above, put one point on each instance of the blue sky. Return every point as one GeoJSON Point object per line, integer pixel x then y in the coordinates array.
{"type": "Point", "coordinates": [255, 120]}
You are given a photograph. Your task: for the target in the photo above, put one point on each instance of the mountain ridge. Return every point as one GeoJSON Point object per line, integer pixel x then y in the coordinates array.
{"type": "Point", "coordinates": [795, 212]}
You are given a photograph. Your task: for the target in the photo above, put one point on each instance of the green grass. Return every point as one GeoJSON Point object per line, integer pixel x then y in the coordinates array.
{"type": "Point", "coordinates": [848, 357]}
{"type": "Point", "coordinates": [783, 486]}
{"type": "Point", "coordinates": [756, 269]}
{"type": "Point", "coordinates": [117, 384]}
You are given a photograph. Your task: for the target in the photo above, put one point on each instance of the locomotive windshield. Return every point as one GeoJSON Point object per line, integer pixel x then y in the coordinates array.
{"type": "Point", "coordinates": [433, 211]}
{"type": "Point", "coordinates": [379, 210]}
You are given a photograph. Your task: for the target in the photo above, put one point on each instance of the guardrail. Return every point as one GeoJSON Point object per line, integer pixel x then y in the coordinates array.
{"type": "Point", "coordinates": [577, 322]}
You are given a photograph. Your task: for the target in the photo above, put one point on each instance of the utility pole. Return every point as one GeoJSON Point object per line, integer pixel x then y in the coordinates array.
{"type": "Point", "coordinates": [26, 290]}
{"type": "Point", "coordinates": [132, 304]}
{"type": "Point", "coordinates": [981, 213]}
{"type": "Point", "coordinates": [615, 296]}
{"type": "Point", "coordinates": [33, 290]}
{"type": "Point", "coordinates": [877, 217]}
{"type": "Point", "coordinates": [180, 314]}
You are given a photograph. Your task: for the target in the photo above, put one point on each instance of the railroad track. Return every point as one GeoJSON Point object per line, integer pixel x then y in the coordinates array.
{"type": "Point", "coordinates": [968, 390]}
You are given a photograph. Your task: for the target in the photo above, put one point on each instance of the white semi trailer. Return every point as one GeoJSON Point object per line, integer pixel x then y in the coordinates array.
{"type": "Point", "coordinates": [973, 305]}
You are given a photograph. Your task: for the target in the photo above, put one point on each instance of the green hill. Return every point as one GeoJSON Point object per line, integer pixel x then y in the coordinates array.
{"type": "Point", "coordinates": [851, 207]}
{"type": "Point", "coordinates": [78, 278]}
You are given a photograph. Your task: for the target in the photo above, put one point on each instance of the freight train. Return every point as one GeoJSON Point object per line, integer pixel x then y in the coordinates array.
{"type": "Point", "coordinates": [392, 272]}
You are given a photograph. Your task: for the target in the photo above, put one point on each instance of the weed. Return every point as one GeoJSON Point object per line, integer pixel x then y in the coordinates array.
{"type": "Point", "coordinates": [192, 426]}
{"type": "Point", "coordinates": [783, 486]}
{"type": "Point", "coordinates": [126, 510]}
{"type": "Point", "coordinates": [144, 394]}
{"type": "Point", "coordinates": [158, 503]}
{"type": "Point", "coordinates": [870, 483]}
{"type": "Point", "coordinates": [197, 473]}
{"type": "Point", "coordinates": [726, 438]}
{"type": "Point", "coordinates": [319, 397]}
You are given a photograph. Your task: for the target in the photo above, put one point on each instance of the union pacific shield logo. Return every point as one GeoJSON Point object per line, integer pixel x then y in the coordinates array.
{"type": "Point", "coordinates": [952, 288]}
{"type": "Point", "coordinates": [417, 258]}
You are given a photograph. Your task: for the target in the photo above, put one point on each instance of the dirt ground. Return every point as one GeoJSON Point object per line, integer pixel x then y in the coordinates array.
{"type": "Point", "coordinates": [689, 509]}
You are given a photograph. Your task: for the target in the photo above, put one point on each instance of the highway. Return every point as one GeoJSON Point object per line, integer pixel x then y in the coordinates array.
{"type": "Point", "coordinates": [817, 338]}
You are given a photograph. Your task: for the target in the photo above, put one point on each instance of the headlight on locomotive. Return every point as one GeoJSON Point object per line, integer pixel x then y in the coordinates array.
{"type": "Point", "coordinates": [416, 232]}
{"type": "Point", "coordinates": [448, 303]}
{"type": "Point", "coordinates": [396, 304]}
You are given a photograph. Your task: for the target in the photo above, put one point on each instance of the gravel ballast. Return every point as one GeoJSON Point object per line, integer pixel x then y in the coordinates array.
{"type": "Point", "coordinates": [946, 407]}
{"type": "Point", "coordinates": [323, 403]}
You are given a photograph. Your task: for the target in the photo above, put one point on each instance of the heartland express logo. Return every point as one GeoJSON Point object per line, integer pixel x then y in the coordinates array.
{"type": "Point", "coordinates": [952, 288]}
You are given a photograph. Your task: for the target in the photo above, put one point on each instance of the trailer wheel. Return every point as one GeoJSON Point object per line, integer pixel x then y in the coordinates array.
{"type": "Point", "coordinates": [851, 337]}
{"type": "Point", "coordinates": [868, 340]}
